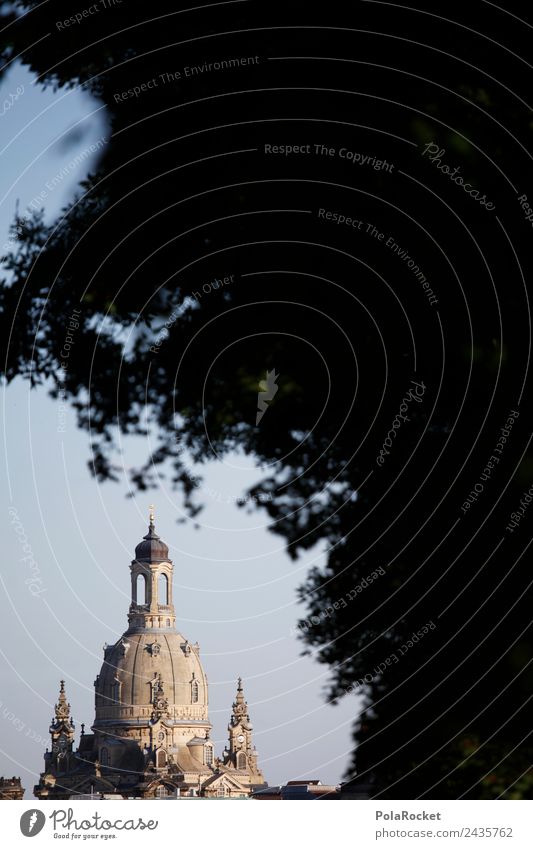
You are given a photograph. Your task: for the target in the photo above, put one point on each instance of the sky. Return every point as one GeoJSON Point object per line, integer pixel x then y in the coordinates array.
{"type": "Point", "coordinates": [68, 540]}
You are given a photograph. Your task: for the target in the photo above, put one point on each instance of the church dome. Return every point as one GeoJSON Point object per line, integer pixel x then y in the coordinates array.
{"type": "Point", "coordinates": [152, 549]}
{"type": "Point", "coordinates": [147, 671]}
{"type": "Point", "coordinates": [151, 728]}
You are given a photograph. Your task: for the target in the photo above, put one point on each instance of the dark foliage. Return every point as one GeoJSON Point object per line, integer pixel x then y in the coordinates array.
{"type": "Point", "coordinates": [185, 194]}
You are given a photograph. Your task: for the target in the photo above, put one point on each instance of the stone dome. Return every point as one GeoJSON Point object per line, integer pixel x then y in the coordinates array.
{"type": "Point", "coordinates": [147, 670]}
{"type": "Point", "coordinates": [152, 549]}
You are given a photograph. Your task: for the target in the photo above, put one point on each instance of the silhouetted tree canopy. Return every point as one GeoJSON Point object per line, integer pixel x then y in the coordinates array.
{"type": "Point", "coordinates": [199, 259]}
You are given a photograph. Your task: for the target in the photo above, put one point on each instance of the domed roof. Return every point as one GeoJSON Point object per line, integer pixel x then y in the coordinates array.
{"type": "Point", "coordinates": [139, 660]}
{"type": "Point", "coordinates": [152, 549]}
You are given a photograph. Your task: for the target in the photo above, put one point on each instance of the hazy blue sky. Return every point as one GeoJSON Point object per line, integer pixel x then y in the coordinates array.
{"type": "Point", "coordinates": [234, 586]}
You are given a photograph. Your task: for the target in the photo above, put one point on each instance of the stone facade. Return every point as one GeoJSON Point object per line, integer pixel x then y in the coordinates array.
{"type": "Point", "coordinates": [11, 789]}
{"type": "Point", "coordinates": [150, 737]}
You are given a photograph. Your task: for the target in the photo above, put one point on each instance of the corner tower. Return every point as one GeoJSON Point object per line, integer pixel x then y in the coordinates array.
{"type": "Point", "coordinates": [241, 754]}
{"type": "Point", "coordinates": [62, 733]}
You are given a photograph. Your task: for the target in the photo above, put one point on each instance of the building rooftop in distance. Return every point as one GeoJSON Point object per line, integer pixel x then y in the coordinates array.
{"type": "Point", "coordinates": [312, 789]}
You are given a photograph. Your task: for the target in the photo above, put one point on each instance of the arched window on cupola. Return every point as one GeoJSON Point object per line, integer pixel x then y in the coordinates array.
{"type": "Point", "coordinates": [241, 761]}
{"type": "Point", "coordinates": [195, 691]}
{"type": "Point", "coordinates": [161, 759]}
{"type": "Point", "coordinates": [208, 754]}
{"type": "Point", "coordinates": [162, 589]}
{"type": "Point", "coordinates": [104, 757]}
{"type": "Point", "coordinates": [140, 589]}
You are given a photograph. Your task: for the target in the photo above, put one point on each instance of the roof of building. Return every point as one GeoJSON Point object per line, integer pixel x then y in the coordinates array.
{"type": "Point", "coordinates": [231, 777]}
{"type": "Point", "coordinates": [186, 763]}
{"type": "Point", "coordinates": [152, 549]}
